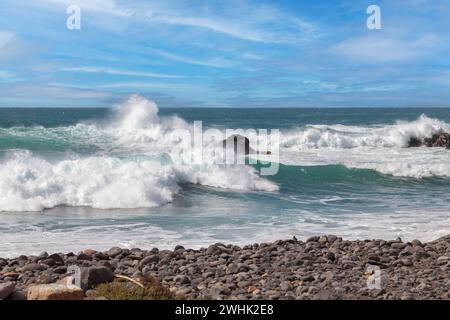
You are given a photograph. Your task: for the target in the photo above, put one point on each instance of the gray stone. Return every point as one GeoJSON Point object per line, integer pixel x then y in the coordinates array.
{"type": "Point", "coordinates": [6, 289]}
{"type": "Point", "coordinates": [93, 276]}
{"type": "Point", "coordinates": [182, 279]}
{"type": "Point", "coordinates": [398, 245]}
{"type": "Point", "coordinates": [33, 267]}
{"type": "Point", "coordinates": [232, 268]}
{"type": "Point", "coordinates": [149, 259]}
{"type": "Point", "coordinates": [312, 239]}
{"type": "Point", "coordinates": [113, 252]}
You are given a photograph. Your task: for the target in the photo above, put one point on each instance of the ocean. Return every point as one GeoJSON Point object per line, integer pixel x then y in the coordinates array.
{"type": "Point", "coordinates": [96, 178]}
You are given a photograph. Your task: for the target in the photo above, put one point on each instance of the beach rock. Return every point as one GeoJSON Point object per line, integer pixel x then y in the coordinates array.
{"type": "Point", "coordinates": [398, 245]}
{"type": "Point", "coordinates": [325, 267]}
{"type": "Point", "coordinates": [113, 252]}
{"type": "Point", "coordinates": [54, 292]}
{"type": "Point", "coordinates": [33, 267]}
{"type": "Point", "coordinates": [6, 289]}
{"type": "Point", "coordinates": [436, 140]}
{"type": "Point", "coordinates": [406, 296]}
{"type": "Point", "coordinates": [93, 276]}
{"type": "Point", "coordinates": [182, 279]}
{"type": "Point", "coordinates": [89, 252]}
{"type": "Point", "coordinates": [149, 259]}
{"type": "Point", "coordinates": [213, 250]}
{"type": "Point", "coordinates": [312, 239]}
{"type": "Point", "coordinates": [18, 295]}
{"type": "Point", "coordinates": [56, 258]}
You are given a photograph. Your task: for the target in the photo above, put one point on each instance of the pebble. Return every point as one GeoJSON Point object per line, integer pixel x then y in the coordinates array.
{"type": "Point", "coordinates": [323, 267]}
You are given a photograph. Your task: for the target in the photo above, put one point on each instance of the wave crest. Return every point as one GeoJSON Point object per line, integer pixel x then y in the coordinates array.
{"type": "Point", "coordinates": [347, 137]}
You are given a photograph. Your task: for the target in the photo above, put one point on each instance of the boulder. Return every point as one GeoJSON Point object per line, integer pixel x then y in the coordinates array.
{"type": "Point", "coordinates": [441, 140]}
{"type": "Point", "coordinates": [438, 140]}
{"type": "Point", "coordinates": [53, 260]}
{"type": "Point", "coordinates": [113, 252]}
{"type": "Point", "coordinates": [240, 144]}
{"type": "Point", "coordinates": [6, 289]}
{"type": "Point", "coordinates": [93, 276]}
{"type": "Point", "coordinates": [54, 292]}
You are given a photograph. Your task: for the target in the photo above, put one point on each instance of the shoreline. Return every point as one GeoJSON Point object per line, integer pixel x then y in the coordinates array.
{"type": "Point", "coordinates": [322, 267]}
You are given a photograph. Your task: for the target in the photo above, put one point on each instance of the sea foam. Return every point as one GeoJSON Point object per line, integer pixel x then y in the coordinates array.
{"type": "Point", "coordinates": [128, 171]}
{"type": "Point", "coordinates": [347, 137]}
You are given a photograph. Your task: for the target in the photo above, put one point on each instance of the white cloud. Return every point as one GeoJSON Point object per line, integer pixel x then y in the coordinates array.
{"type": "Point", "coordinates": [8, 77]}
{"type": "Point", "coordinates": [5, 38]}
{"type": "Point", "coordinates": [248, 21]}
{"type": "Point", "coordinates": [152, 85]}
{"type": "Point", "coordinates": [217, 62]}
{"type": "Point", "coordinates": [225, 27]}
{"type": "Point", "coordinates": [111, 71]}
{"type": "Point", "coordinates": [382, 48]}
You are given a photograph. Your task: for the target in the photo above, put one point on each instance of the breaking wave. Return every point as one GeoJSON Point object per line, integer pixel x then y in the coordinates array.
{"type": "Point", "coordinates": [127, 165]}
{"type": "Point", "coordinates": [347, 137]}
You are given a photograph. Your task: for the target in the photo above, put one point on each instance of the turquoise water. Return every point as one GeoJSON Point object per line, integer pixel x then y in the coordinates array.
{"type": "Point", "coordinates": [77, 178]}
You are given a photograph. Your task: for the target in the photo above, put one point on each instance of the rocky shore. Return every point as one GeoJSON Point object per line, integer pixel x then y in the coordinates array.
{"type": "Point", "coordinates": [323, 267]}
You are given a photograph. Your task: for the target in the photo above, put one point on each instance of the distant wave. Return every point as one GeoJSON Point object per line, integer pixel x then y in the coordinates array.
{"type": "Point", "coordinates": [382, 148]}
{"type": "Point", "coordinates": [347, 137]}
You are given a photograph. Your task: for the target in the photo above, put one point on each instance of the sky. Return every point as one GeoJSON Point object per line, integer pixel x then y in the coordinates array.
{"type": "Point", "coordinates": [233, 53]}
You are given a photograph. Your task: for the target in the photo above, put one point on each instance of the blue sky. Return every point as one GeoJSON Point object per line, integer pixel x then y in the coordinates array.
{"type": "Point", "coordinates": [232, 53]}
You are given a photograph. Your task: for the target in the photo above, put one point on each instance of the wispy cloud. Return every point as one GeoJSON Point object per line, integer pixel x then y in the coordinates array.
{"type": "Point", "coordinates": [5, 38]}
{"type": "Point", "coordinates": [112, 71]}
{"type": "Point", "coordinates": [216, 62]}
{"type": "Point", "coordinates": [248, 22]}
{"type": "Point", "coordinates": [8, 77]}
{"type": "Point", "coordinates": [133, 86]}
{"type": "Point", "coordinates": [385, 48]}
{"type": "Point", "coordinates": [226, 27]}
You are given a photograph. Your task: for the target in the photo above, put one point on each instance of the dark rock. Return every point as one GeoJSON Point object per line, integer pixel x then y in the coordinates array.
{"type": "Point", "coordinates": [33, 267]}
{"type": "Point", "coordinates": [308, 278]}
{"type": "Point", "coordinates": [83, 256]}
{"type": "Point", "coordinates": [398, 245]}
{"type": "Point", "coordinates": [213, 250]}
{"type": "Point", "coordinates": [232, 268]}
{"type": "Point", "coordinates": [240, 144]}
{"type": "Point", "coordinates": [437, 140]}
{"type": "Point", "coordinates": [149, 259]}
{"type": "Point", "coordinates": [93, 276]}
{"type": "Point", "coordinates": [312, 239]}
{"type": "Point", "coordinates": [113, 252]}
{"type": "Point", "coordinates": [331, 256]}
{"type": "Point", "coordinates": [6, 289]}
{"type": "Point", "coordinates": [182, 279]}
{"type": "Point", "coordinates": [18, 295]}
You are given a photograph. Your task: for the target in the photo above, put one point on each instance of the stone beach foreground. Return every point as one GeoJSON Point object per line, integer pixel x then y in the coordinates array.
{"type": "Point", "coordinates": [323, 267]}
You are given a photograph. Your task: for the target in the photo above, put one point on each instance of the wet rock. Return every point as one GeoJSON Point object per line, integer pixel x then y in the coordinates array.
{"type": "Point", "coordinates": [441, 140]}
{"type": "Point", "coordinates": [6, 289]}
